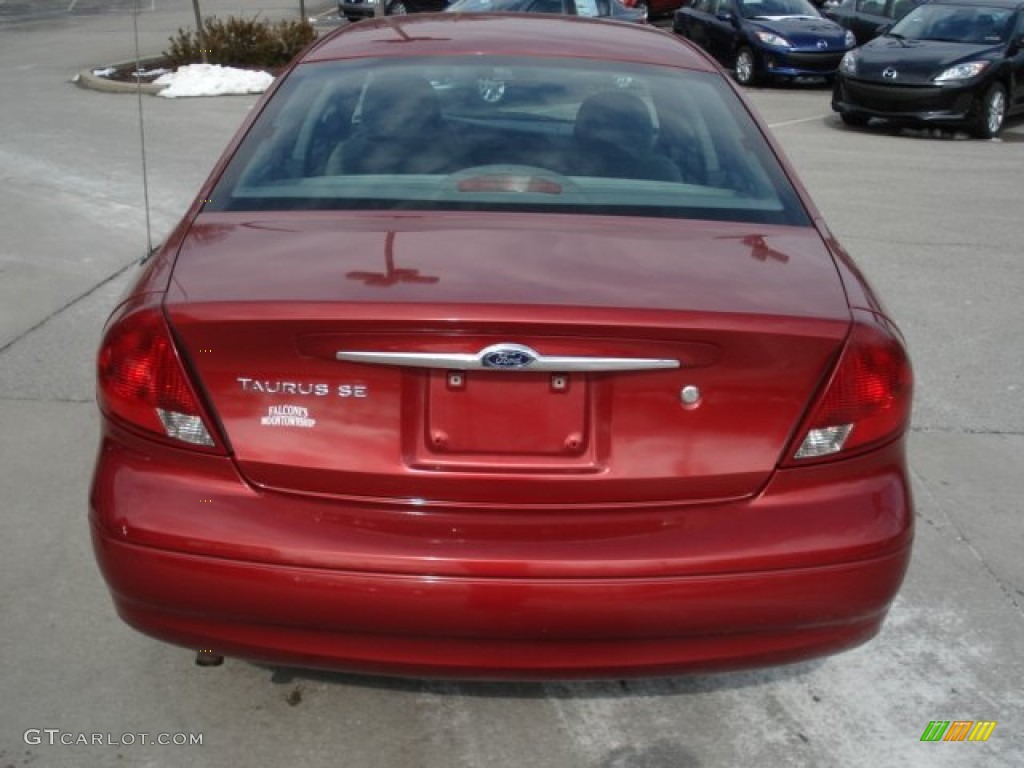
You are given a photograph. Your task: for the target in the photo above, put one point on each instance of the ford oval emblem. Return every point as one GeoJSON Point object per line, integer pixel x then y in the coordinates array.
{"type": "Point", "coordinates": [507, 357]}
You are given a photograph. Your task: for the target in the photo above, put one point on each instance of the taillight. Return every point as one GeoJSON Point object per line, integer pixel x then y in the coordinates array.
{"type": "Point", "coordinates": [865, 403]}
{"type": "Point", "coordinates": [142, 381]}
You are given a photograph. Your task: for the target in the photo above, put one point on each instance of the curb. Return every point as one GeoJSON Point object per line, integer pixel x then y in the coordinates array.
{"type": "Point", "coordinates": [86, 79]}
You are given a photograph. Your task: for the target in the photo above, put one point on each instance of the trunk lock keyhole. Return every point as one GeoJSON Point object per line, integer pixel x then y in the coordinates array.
{"type": "Point", "coordinates": [689, 396]}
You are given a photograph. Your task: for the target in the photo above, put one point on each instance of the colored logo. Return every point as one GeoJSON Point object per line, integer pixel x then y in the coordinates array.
{"type": "Point", "coordinates": [958, 730]}
{"type": "Point", "coordinates": [507, 356]}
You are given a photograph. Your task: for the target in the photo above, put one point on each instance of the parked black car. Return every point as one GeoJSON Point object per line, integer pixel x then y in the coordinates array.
{"type": "Point", "coordinates": [758, 38]}
{"type": "Point", "coordinates": [867, 18]}
{"type": "Point", "coordinates": [353, 10]}
{"type": "Point", "coordinates": [946, 63]}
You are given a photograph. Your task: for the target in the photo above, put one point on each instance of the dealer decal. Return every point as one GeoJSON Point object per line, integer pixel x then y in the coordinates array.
{"type": "Point", "coordinates": [287, 416]}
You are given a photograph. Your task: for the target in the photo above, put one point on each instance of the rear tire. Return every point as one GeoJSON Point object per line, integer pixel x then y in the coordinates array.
{"type": "Point", "coordinates": [991, 113]}
{"type": "Point", "coordinates": [745, 69]}
{"type": "Point", "coordinates": [397, 8]}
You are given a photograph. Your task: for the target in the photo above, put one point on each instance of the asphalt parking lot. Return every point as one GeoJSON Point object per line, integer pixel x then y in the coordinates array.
{"type": "Point", "coordinates": [933, 221]}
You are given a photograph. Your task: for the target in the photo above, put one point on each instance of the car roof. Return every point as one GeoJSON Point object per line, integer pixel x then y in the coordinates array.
{"type": "Point", "coordinates": [510, 35]}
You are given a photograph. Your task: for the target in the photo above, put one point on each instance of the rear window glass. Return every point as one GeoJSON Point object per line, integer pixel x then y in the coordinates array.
{"type": "Point", "coordinates": [498, 134]}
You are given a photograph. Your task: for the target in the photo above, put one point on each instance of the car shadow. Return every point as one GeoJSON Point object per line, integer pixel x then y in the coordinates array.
{"type": "Point", "coordinates": [562, 690]}
{"type": "Point", "coordinates": [787, 84]}
{"type": "Point", "coordinates": [880, 127]}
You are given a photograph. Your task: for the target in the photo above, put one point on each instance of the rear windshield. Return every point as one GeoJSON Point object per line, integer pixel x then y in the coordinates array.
{"type": "Point", "coordinates": [504, 134]}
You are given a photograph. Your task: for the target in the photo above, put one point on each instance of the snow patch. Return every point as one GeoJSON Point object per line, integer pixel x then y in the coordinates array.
{"type": "Point", "coordinates": [105, 72]}
{"type": "Point", "coordinates": [152, 72]}
{"type": "Point", "coordinates": [212, 80]}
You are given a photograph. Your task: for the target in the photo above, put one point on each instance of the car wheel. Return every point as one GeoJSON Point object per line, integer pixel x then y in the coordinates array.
{"type": "Point", "coordinates": [397, 8]}
{"type": "Point", "coordinates": [850, 118]}
{"type": "Point", "coordinates": [745, 68]}
{"type": "Point", "coordinates": [991, 113]}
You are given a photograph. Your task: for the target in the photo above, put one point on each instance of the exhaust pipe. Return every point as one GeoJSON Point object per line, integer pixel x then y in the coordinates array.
{"type": "Point", "coordinates": [207, 658]}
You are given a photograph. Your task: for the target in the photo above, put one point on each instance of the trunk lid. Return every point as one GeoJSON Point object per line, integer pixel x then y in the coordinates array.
{"type": "Point", "coordinates": [262, 305]}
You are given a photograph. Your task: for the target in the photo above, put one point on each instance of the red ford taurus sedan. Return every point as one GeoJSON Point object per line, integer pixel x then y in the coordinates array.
{"type": "Point", "coordinates": [503, 347]}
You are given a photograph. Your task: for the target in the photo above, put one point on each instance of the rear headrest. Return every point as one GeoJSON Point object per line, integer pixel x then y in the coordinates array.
{"type": "Point", "coordinates": [615, 117]}
{"type": "Point", "coordinates": [399, 105]}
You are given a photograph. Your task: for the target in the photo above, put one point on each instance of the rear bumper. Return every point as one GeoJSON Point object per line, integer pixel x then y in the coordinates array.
{"type": "Point", "coordinates": [353, 10]}
{"type": "Point", "coordinates": [494, 629]}
{"type": "Point", "coordinates": [361, 9]}
{"type": "Point", "coordinates": [194, 556]}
